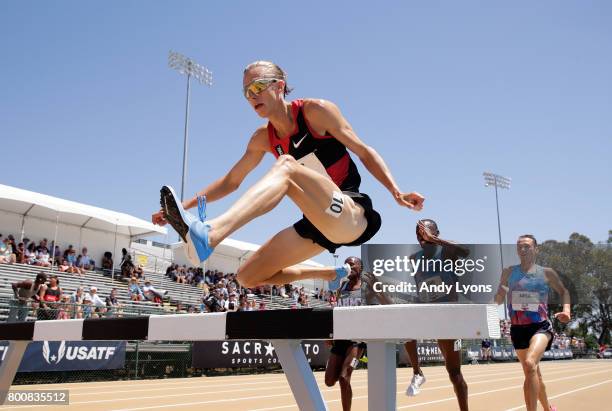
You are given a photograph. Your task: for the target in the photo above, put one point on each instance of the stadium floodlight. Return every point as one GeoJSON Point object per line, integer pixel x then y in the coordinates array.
{"type": "Point", "coordinates": [498, 181]}
{"type": "Point", "coordinates": [185, 65]}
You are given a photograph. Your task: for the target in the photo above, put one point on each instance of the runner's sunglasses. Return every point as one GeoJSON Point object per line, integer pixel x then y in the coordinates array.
{"type": "Point", "coordinates": [257, 86]}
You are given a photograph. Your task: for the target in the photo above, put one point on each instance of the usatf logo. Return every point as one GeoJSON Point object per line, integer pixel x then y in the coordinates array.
{"type": "Point", "coordinates": [279, 150]}
{"type": "Point", "coordinates": [53, 359]}
{"type": "Point", "coordinates": [75, 352]}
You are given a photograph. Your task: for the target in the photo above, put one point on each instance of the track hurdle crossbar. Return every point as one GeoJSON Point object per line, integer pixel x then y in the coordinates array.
{"type": "Point", "coordinates": [381, 327]}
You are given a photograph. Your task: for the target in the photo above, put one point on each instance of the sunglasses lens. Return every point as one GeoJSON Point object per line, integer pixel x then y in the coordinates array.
{"type": "Point", "coordinates": [257, 87]}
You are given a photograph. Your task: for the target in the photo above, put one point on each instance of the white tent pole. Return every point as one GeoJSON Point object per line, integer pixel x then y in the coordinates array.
{"type": "Point", "coordinates": [54, 241]}
{"type": "Point", "coordinates": [80, 239]}
{"type": "Point", "coordinates": [22, 228]}
{"type": "Point", "coordinates": [114, 254]}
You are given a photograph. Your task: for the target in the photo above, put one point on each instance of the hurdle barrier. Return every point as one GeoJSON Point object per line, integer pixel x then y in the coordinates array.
{"type": "Point", "coordinates": [381, 327]}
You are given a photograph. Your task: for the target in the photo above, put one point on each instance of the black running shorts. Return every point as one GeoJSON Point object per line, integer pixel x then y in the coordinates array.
{"type": "Point", "coordinates": [307, 230]}
{"type": "Point", "coordinates": [521, 334]}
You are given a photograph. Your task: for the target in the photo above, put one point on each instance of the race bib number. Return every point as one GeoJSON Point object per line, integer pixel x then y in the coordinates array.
{"type": "Point", "coordinates": [525, 301]}
{"type": "Point", "coordinates": [337, 205]}
{"type": "Point", "coordinates": [312, 162]}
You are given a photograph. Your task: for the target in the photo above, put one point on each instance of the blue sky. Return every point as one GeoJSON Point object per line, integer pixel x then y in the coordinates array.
{"type": "Point", "coordinates": [90, 111]}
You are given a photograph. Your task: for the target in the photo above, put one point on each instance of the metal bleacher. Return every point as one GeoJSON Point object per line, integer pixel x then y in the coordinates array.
{"type": "Point", "coordinates": [185, 294]}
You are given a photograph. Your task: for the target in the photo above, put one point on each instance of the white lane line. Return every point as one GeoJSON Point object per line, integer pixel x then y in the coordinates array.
{"type": "Point", "coordinates": [566, 393]}
{"type": "Point", "coordinates": [441, 387]}
{"type": "Point", "coordinates": [497, 390]}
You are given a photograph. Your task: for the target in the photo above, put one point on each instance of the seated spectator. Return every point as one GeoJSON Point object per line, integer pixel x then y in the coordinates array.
{"type": "Point", "coordinates": [152, 294]}
{"type": "Point", "coordinates": [282, 291]}
{"type": "Point", "coordinates": [6, 253]}
{"type": "Point", "coordinates": [231, 304]}
{"type": "Point", "coordinates": [63, 266]}
{"type": "Point", "coordinates": [180, 309]}
{"type": "Point", "coordinates": [262, 306]}
{"type": "Point", "coordinates": [84, 261]}
{"type": "Point", "coordinates": [169, 271]}
{"type": "Point", "coordinates": [50, 295]}
{"type": "Point", "coordinates": [76, 299]}
{"type": "Point", "coordinates": [42, 258]}
{"type": "Point", "coordinates": [107, 261]}
{"type": "Point", "coordinates": [12, 243]}
{"type": "Point", "coordinates": [64, 308]}
{"type": "Point", "coordinates": [98, 304]}
{"type": "Point", "coordinates": [71, 260]}
{"type": "Point", "coordinates": [30, 254]}
{"type": "Point", "coordinates": [42, 246]}
{"type": "Point", "coordinates": [88, 312]}
{"type": "Point", "coordinates": [24, 291]}
{"type": "Point", "coordinates": [180, 275]}
{"type": "Point", "coordinates": [139, 271]}
{"type": "Point", "coordinates": [113, 306]}
{"type": "Point", "coordinates": [134, 291]}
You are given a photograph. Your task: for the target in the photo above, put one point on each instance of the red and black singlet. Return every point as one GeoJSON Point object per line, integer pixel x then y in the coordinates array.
{"type": "Point", "coordinates": [321, 153]}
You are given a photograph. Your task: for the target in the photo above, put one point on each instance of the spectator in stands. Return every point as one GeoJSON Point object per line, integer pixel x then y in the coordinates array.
{"type": "Point", "coordinates": [303, 301]}
{"type": "Point", "coordinates": [107, 261]}
{"type": "Point", "coordinates": [64, 267]}
{"type": "Point", "coordinates": [170, 272]}
{"type": "Point", "coordinates": [180, 275]}
{"type": "Point", "coordinates": [50, 295]}
{"type": "Point", "coordinates": [252, 305]}
{"type": "Point", "coordinates": [76, 299]}
{"type": "Point", "coordinates": [42, 246]}
{"type": "Point", "coordinates": [30, 254]}
{"type": "Point", "coordinates": [231, 304]}
{"type": "Point", "coordinates": [24, 291]}
{"type": "Point", "coordinates": [71, 261]}
{"type": "Point", "coordinates": [243, 305]}
{"type": "Point", "coordinates": [152, 294]}
{"type": "Point", "coordinates": [134, 290]}
{"type": "Point", "coordinates": [56, 258]}
{"type": "Point", "coordinates": [84, 261]}
{"type": "Point", "coordinates": [20, 254]}
{"type": "Point", "coordinates": [43, 257]}
{"type": "Point", "coordinates": [208, 277]}
{"type": "Point", "coordinates": [13, 243]}
{"type": "Point", "coordinates": [139, 271]}
{"type": "Point", "coordinates": [64, 309]}
{"type": "Point", "coordinates": [96, 301]}
{"type": "Point", "coordinates": [6, 253]}
{"type": "Point", "coordinates": [180, 309]}
{"type": "Point", "coordinates": [87, 307]}
{"type": "Point", "coordinates": [127, 266]}
{"type": "Point", "coordinates": [113, 306]}
{"type": "Point", "coordinates": [67, 251]}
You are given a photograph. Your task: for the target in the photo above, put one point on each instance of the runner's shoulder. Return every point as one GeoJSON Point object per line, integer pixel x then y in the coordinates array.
{"type": "Point", "coordinates": [259, 140]}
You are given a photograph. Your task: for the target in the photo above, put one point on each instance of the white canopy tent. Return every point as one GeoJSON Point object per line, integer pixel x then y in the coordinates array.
{"type": "Point", "coordinates": [27, 213]}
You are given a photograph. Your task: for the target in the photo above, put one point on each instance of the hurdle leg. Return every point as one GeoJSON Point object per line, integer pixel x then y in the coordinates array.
{"type": "Point", "coordinates": [299, 375]}
{"type": "Point", "coordinates": [382, 379]}
{"type": "Point", "coordinates": [10, 364]}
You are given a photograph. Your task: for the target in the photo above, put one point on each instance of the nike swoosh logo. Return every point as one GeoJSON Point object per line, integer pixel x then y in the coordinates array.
{"type": "Point", "coordinates": [296, 145]}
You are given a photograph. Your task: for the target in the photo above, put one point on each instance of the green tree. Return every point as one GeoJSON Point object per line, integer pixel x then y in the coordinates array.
{"type": "Point", "coordinates": [586, 270]}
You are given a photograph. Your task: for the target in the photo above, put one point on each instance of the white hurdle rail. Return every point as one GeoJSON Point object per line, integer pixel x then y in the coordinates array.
{"type": "Point", "coordinates": [380, 326]}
